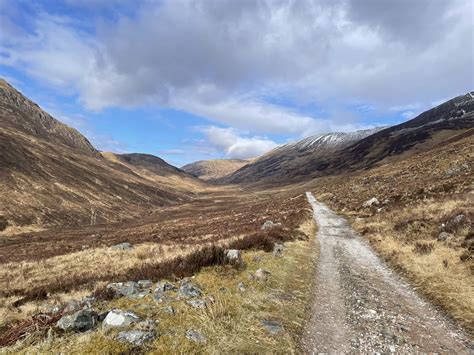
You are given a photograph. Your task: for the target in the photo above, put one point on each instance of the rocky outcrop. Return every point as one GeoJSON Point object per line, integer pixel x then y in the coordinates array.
{"type": "Point", "coordinates": [80, 321]}
{"type": "Point", "coordinates": [188, 289]}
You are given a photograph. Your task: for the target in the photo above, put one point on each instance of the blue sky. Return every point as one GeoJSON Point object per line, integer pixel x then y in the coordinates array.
{"type": "Point", "coordinates": [191, 80]}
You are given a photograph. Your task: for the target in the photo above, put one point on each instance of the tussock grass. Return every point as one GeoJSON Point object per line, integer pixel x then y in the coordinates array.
{"type": "Point", "coordinates": [232, 322]}
{"type": "Point", "coordinates": [407, 239]}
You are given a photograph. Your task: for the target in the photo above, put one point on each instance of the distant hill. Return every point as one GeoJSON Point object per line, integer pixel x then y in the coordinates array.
{"type": "Point", "coordinates": [293, 159]}
{"type": "Point", "coordinates": [215, 168]}
{"type": "Point", "coordinates": [334, 153]}
{"type": "Point", "coordinates": [50, 174]}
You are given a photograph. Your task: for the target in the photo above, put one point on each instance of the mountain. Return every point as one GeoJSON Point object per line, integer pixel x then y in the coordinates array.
{"type": "Point", "coordinates": [338, 152]}
{"type": "Point", "coordinates": [51, 175]}
{"type": "Point", "coordinates": [21, 114]}
{"type": "Point", "coordinates": [293, 160]}
{"type": "Point", "coordinates": [214, 168]}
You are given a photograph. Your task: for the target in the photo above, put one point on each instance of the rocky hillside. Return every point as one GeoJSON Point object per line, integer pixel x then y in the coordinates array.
{"type": "Point", "coordinates": [22, 114]}
{"type": "Point", "coordinates": [214, 168]}
{"type": "Point", "coordinates": [335, 153]}
{"type": "Point", "coordinates": [51, 175]}
{"type": "Point", "coordinates": [293, 160]}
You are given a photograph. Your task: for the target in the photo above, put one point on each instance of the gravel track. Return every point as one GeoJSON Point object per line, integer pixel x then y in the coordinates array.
{"type": "Point", "coordinates": [360, 306]}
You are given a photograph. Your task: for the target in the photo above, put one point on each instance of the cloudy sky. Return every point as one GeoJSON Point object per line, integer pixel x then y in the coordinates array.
{"type": "Point", "coordinates": [189, 80]}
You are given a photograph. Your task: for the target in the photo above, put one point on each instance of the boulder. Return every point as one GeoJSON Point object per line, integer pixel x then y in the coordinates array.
{"type": "Point", "coordinates": [444, 236]}
{"type": "Point", "coordinates": [117, 318]}
{"type": "Point", "coordinates": [127, 289]}
{"type": "Point", "coordinates": [197, 303]}
{"type": "Point", "coordinates": [262, 274]}
{"type": "Point", "coordinates": [233, 256]}
{"type": "Point", "coordinates": [458, 220]}
{"type": "Point", "coordinates": [278, 249]}
{"type": "Point", "coordinates": [371, 202]}
{"type": "Point", "coordinates": [135, 337]}
{"type": "Point", "coordinates": [189, 289]}
{"type": "Point", "coordinates": [122, 246]}
{"type": "Point", "coordinates": [269, 225]}
{"type": "Point", "coordinates": [164, 286]}
{"type": "Point", "coordinates": [144, 284]}
{"type": "Point", "coordinates": [196, 336]}
{"type": "Point", "coordinates": [80, 321]}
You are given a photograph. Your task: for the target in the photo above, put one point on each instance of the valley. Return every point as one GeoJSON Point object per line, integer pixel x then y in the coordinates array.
{"type": "Point", "coordinates": [75, 220]}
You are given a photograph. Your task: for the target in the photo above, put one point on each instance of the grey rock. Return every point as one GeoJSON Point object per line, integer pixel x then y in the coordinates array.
{"type": "Point", "coordinates": [459, 169]}
{"type": "Point", "coordinates": [269, 225]}
{"type": "Point", "coordinates": [241, 287]}
{"type": "Point", "coordinates": [196, 336]}
{"type": "Point", "coordinates": [73, 306]}
{"type": "Point", "coordinates": [80, 321]}
{"type": "Point", "coordinates": [88, 301]}
{"type": "Point", "coordinates": [140, 294]}
{"type": "Point", "coordinates": [444, 236]}
{"type": "Point", "coordinates": [271, 326]}
{"type": "Point", "coordinates": [143, 284]}
{"type": "Point", "coordinates": [164, 286]}
{"type": "Point", "coordinates": [169, 310]}
{"type": "Point", "coordinates": [262, 274]}
{"type": "Point", "coordinates": [371, 202]}
{"type": "Point", "coordinates": [135, 337]}
{"type": "Point", "coordinates": [197, 303]}
{"type": "Point", "coordinates": [118, 318]}
{"type": "Point", "coordinates": [233, 256]}
{"type": "Point", "coordinates": [146, 325]}
{"type": "Point", "coordinates": [278, 249]}
{"type": "Point", "coordinates": [162, 298]}
{"type": "Point", "coordinates": [458, 220]}
{"type": "Point", "coordinates": [189, 289]}
{"type": "Point", "coordinates": [122, 246]}
{"type": "Point", "coordinates": [126, 289]}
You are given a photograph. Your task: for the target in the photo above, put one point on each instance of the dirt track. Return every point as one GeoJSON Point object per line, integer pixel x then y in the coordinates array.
{"type": "Point", "coordinates": [361, 306]}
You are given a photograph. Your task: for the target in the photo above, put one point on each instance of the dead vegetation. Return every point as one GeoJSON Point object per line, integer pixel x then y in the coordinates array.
{"type": "Point", "coordinates": [231, 321]}
{"type": "Point", "coordinates": [36, 280]}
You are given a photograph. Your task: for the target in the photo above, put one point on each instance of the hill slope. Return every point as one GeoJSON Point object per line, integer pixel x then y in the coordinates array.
{"type": "Point", "coordinates": [214, 168]}
{"type": "Point", "coordinates": [336, 152]}
{"type": "Point", "coordinates": [51, 175]}
{"type": "Point", "coordinates": [293, 160]}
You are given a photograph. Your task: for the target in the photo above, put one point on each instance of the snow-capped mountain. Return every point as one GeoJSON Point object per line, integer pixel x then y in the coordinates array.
{"type": "Point", "coordinates": [328, 140]}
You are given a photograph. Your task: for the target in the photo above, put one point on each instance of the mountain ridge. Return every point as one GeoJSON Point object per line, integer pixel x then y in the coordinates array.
{"type": "Point", "coordinates": [276, 168]}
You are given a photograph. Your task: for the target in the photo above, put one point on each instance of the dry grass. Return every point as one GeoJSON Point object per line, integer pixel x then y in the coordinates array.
{"type": "Point", "coordinates": [407, 239]}
{"type": "Point", "coordinates": [232, 323]}
{"type": "Point", "coordinates": [417, 194]}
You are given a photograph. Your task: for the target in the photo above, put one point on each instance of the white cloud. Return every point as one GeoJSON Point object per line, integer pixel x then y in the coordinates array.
{"type": "Point", "coordinates": [237, 146]}
{"type": "Point", "coordinates": [220, 59]}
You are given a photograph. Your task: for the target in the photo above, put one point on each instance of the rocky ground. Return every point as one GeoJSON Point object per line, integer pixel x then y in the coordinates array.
{"type": "Point", "coordinates": [253, 302]}
{"type": "Point", "coordinates": [361, 306]}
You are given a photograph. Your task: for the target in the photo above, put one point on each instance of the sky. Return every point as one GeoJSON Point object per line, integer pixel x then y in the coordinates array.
{"type": "Point", "coordinates": [205, 79]}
